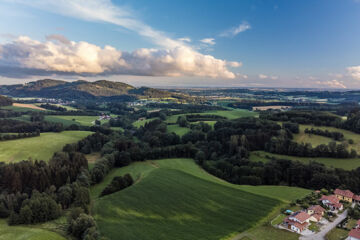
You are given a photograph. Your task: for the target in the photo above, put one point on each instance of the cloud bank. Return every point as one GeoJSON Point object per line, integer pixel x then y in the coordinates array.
{"type": "Point", "coordinates": [354, 72]}
{"type": "Point", "coordinates": [62, 56]}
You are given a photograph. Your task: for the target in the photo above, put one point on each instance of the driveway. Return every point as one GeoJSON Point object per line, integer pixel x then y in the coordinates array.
{"type": "Point", "coordinates": [325, 229]}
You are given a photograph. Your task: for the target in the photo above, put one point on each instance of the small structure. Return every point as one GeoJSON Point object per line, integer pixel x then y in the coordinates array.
{"type": "Point", "coordinates": [331, 202]}
{"type": "Point", "coordinates": [344, 195]}
{"type": "Point", "coordinates": [358, 224]}
{"type": "Point", "coordinates": [316, 213]}
{"type": "Point", "coordinates": [356, 199]}
{"type": "Point", "coordinates": [298, 221]}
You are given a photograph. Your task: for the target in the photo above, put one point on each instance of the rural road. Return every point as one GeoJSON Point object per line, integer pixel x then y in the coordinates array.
{"type": "Point", "coordinates": [324, 230]}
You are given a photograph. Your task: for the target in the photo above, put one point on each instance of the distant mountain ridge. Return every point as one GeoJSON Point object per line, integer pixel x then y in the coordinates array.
{"type": "Point", "coordinates": [49, 88]}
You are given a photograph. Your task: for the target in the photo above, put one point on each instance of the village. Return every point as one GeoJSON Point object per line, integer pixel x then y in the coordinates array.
{"type": "Point", "coordinates": [319, 213]}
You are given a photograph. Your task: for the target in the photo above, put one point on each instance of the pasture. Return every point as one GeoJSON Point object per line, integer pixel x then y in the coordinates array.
{"type": "Point", "coordinates": [176, 199]}
{"type": "Point", "coordinates": [69, 120]}
{"type": "Point", "coordinates": [344, 163]}
{"type": "Point", "coordinates": [26, 233]}
{"type": "Point", "coordinates": [41, 147]}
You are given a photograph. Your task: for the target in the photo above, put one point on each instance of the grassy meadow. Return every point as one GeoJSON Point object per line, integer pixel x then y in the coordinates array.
{"type": "Point", "coordinates": [344, 163]}
{"type": "Point", "coordinates": [41, 147]}
{"type": "Point", "coordinates": [26, 233]}
{"type": "Point", "coordinates": [176, 199]}
{"type": "Point", "coordinates": [69, 120]}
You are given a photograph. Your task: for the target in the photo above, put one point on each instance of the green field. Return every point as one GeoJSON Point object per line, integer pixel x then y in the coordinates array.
{"type": "Point", "coordinates": [229, 114]}
{"type": "Point", "coordinates": [176, 199]}
{"type": "Point", "coordinates": [69, 120]}
{"type": "Point", "coordinates": [26, 233]}
{"type": "Point", "coordinates": [41, 148]}
{"type": "Point", "coordinates": [140, 123]}
{"type": "Point", "coordinates": [316, 140]}
{"type": "Point", "coordinates": [175, 128]}
{"type": "Point", "coordinates": [344, 163]}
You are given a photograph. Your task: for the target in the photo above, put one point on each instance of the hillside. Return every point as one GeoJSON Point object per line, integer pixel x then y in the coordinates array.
{"type": "Point", "coordinates": [4, 101]}
{"type": "Point", "coordinates": [176, 199]}
{"type": "Point", "coordinates": [81, 89]}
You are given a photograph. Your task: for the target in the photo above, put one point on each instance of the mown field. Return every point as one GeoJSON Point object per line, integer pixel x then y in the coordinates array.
{"type": "Point", "coordinates": [344, 163]}
{"type": "Point", "coordinates": [26, 233]}
{"type": "Point", "coordinates": [69, 120]}
{"type": "Point", "coordinates": [41, 148]}
{"type": "Point", "coordinates": [176, 199]}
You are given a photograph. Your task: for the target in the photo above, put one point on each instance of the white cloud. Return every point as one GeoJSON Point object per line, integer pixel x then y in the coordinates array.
{"type": "Point", "coordinates": [331, 84]}
{"type": "Point", "coordinates": [236, 30]}
{"type": "Point", "coordinates": [263, 76]}
{"type": "Point", "coordinates": [184, 39]}
{"type": "Point", "coordinates": [62, 56]}
{"type": "Point", "coordinates": [274, 77]}
{"type": "Point", "coordinates": [354, 72]}
{"type": "Point", "coordinates": [210, 41]}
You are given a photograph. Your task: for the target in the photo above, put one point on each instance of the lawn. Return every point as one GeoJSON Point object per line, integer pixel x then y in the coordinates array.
{"type": "Point", "coordinates": [176, 199]}
{"type": "Point", "coordinates": [26, 233]}
{"type": "Point", "coordinates": [344, 163]}
{"type": "Point", "coordinates": [41, 147]}
{"type": "Point", "coordinates": [337, 234]}
{"type": "Point", "coordinates": [175, 128]}
{"type": "Point", "coordinates": [69, 120]}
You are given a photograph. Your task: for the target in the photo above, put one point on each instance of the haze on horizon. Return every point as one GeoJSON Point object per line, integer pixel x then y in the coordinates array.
{"type": "Point", "coordinates": [249, 43]}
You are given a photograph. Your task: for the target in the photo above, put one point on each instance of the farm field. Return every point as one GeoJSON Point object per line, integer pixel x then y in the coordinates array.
{"type": "Point", "coordinates": [41, 148]}
{"type": "Point", "coordinates": [175, 128]}
{"type": "Point", "coordinates": [316, 140]}
{"type": "Point", "coordinates": [17, 107]}
{"type": "Point", "coordinates": [26, 233]}
{"type": "Point", "coordinates": [164, 205]}
{"type": "Point", "coordinates": [344, 163]}
{"type": "Point", "coordinates": [69, 120]}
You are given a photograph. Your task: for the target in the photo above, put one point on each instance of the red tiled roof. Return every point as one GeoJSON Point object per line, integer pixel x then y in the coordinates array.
{"type": "Point", "coordinates": [317, 216]}
{"type": "Point", "coordinates": [301, 216]}
{"type": "Point", "coordinates": [300, 226]}
{"type": "Point", "coordinates": [337, 205]}
{"type": "Point", "coordinates": [355, 233]}
{"type": "Point", "coordinates": [356, 197]}
{"type": "Point", "coordinates": [345, 193]}
{"type": "Point", "coordinates": [317, 209]}
{"type": "Point", "coordinates": [332, 199]}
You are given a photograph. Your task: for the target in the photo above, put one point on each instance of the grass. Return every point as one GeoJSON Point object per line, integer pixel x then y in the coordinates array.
{"type": "Point", "coordinates": [176, 199]}
{"type": "Point", "coordinates": [41, 147]}
{"type": "Point", "coordinates": [140, 123]}
{"type": "Point", "coordinates": [175, 128]}
{"type": "Point", "coordinates": [69, 120]}
{"type": "Point", "coordinates": [20, 109]}
{"type": "Point", "coordinates": [26, 233]}
{"type": "Point", "coordinates": [314, 227]}
{"type": "Point", "coordinates": [337, 234]}
{"type": "Point", "coordinates": [316, 140]}
{"type": "Point", "coordinates": [279, 219]}
{"type": "Point", "coordinates": [344, 163]}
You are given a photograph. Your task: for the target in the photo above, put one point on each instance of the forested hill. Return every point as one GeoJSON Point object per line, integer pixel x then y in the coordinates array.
{"type": "Point", "coordinates": [49, 88]}
{"type": "Point", "coordinates": [4, 101]}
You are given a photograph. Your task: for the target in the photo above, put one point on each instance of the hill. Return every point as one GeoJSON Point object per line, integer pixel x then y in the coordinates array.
{"type": "Point", "coordinates": [5, 101]}
{"type": "Point", "coordinates": [176, 199]}
{"type": "Point", "coordinates": [48, 88]}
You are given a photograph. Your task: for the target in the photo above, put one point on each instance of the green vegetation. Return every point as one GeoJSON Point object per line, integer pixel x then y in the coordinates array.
{"type": "Point", "coordinates": [69, 120]}
{"type": "Point", "coordinates": [41, 148]}
{"type": "Point", "coordinates": [142, 122]}
{"type": "Point", "coordinates": [177, 194]}
{"type": "Point", "coordinates": [346, 163]}
{"type": "Point", "coordinates": [175, 128]}
{"type": "Point", "coordinates": [279, 219]}
{"type": "Point", "coordinates": [32, 232]}
{"type": "Point", "coordinates": [337, 234]}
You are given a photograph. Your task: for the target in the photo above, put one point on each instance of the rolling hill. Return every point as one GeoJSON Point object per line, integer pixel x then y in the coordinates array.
{"type": "Point", "coordinates": [49, 88]}
{"type": "Point", "coordinates": [176, 199]}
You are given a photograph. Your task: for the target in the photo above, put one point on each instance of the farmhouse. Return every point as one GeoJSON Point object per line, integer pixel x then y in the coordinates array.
{"type": "Point", "coordinates": [316, 212]}
{"type": "Point", "coordinates": [332, 202]}
{"type": "Point", "coordinates": [344, 195]}
{"type": "Point", "coordinates": [297, 221]}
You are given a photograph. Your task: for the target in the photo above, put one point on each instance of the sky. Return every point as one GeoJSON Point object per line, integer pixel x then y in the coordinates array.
{"type": "Point", "coordinates": [183, 43]}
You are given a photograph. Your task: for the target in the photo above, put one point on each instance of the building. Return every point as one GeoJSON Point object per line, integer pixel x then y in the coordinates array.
{"type": "Point", "coordinates": [331, 202]}
{"type": "Point", "coordinates": [316, 213]}
{"type": "Point", "coordinates": [354, 234]}
{"type": "Point", "coordinates": [298, 221]}
{"type": "Point", "coordinates": [344, 195]}
{"type": "Point", "coordinates": [356, 198]}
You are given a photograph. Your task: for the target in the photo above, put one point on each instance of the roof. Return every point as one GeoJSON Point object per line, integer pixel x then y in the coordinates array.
{"type": "Point", "coordinates": [337, 205]}
{"type": "Point", "coordinates": [301, 216]}
{"type": "Point", "coordinates": [317, 216]}
{"type": "Point", "coordinates": [355, 233]}
{"type": "Point", "coordinates": [317, 209]}
{"type": "Point", "coordinates": [332, 199]}
{"type": "Point", "coordinates": [356, 197]}
{"type": "Point", "coordinates": [345, 193]}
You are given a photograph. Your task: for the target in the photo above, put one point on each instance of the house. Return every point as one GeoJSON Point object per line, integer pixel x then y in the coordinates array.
{"type": "Point", "coordinates": [316, 212]}
{"type": "Point", "coordinates": [354, 234]}
{"type": "Point", "coordinates": [356, 198]}
{"type": "Point", "coordinates": [298, 221]}
{"type": "Point", "coordinates": [344, 195]}
{"type": "Point", "coordinates": [331, 202]}
{"type": "Point", "coordinates": [358, 224]}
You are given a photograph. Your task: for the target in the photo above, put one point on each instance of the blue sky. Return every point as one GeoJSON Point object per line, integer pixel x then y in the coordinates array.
{"type": "Point", "coordinates": [308, 43]}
